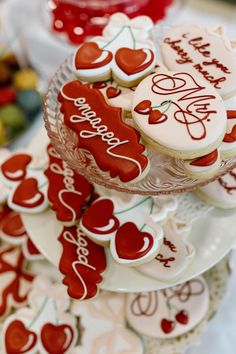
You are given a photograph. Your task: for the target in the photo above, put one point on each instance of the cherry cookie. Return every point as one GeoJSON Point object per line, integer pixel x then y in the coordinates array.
{"type": "Point", "coordinates": [228, 145]}
{"type": "Point", "coordinates": [68, 191]}
{"type": "Point", "coordinates": [15, 280]}
{"type": "Point", "coordinates": [179, 115]}
{"type": "Point", "coordinates": [129, 228]}
{"type": "Point", "coordinates": [175, 255]}
{"type": "Point", "coordinates": [12, 231]}
{"type": "Point", "coordinates": [171, 312]}
{"type": "Point", "coordinates": [205, 166]}
{"type": "Point", "coordinates": [124, 52]}
{"type": "Point", "coordinates": [204, 53]}
{"type": "Point", "coordinates": [220, 193]}
{"type": "Point", "coordinates": [104, 326]}
{"type": "Point", "coordinates": [44, 326]}
{"type": "Point", "coordinates": [82, 263]}
{"type": "Point", "coordinates": [114, 145]}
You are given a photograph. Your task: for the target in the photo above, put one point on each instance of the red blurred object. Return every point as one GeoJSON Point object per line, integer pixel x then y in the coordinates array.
{"type": "Point", "coordinates": [79, 19]}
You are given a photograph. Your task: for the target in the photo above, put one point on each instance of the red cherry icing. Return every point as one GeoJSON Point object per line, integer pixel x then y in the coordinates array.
{"type": "Point", "coordinates": [113, 92]}
{"type": "Point", "coordinates": [206, 160]}
{"type": "Point", "coordinates": [132, 243]}
{"type": "Point", "coordinates": [182, 317]}
{"type": "Point", "coordinates": [12, 225]}
{"type": "Point", "coordinates": [90, 56]}
{"type": "Point", "coordinates": [14, 168]}
{"type": "Point", "coordinates": [27, 194]}
{"type": "Point", "coordinates": [167, 325]}
{"type": "Point", "coordinates": [144, 107]}
{"type": "Point", "coordinates": [18, 339]}
{"type": "Point", "coordinates": [133, 61]}
{"type": "Point", "coordinates": [57, 339]}
{"type": "Point", "coordinates": [157, 117]}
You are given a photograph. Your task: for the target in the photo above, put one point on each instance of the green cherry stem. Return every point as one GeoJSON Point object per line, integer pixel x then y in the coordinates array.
{"type": "Point", "coordinates": [39, 312]}
{"type": "Point", "coordinates": [150, 212]}
{"type": "Point", "coordinates": [133, 207]}
{"type": "Point", "coordinates": [133, 38]}
{"type": "Point", "coordinates": [114, 38]}
{"type": "Point", "coordinates": [169, 104]}
{"type": "Point", "coordinates": [55, 309]}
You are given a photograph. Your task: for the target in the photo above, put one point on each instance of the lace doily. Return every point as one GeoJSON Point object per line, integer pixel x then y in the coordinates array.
{"type": "Point", "coordinates": [190, 208]}
{"type": "Point", "coordinates": [217, 279]}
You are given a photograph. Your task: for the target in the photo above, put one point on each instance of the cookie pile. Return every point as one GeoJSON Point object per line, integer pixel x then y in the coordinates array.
{"type": "Point", "coordinates": [130, 98]}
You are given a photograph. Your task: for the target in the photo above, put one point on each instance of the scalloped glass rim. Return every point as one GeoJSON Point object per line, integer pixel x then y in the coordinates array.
{"type": "Point", "coordinates": [166, 174]}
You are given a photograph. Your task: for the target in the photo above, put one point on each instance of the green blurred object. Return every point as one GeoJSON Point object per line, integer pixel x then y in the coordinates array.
{"type": "Point", "coordinates": [13, 119]}
{"type": "Point", "coordinates": [31, 103]}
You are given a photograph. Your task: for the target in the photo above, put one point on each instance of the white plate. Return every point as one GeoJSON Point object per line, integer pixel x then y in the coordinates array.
{"type": "Point", "coordinates": [212, 236]}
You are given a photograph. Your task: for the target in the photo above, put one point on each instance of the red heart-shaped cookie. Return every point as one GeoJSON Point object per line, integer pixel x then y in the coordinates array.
{"type": "Point", "coordinates": [12, 225]}
{"type": "Point", "coordinates": [133, 61]}
{"type": "Point", "coordinates": [157, 117]}
{"type": "Point", "coordinates": [113, 92]}
{"type": "Point", "coordinates": [90, 56]}
{"type": "Point", "coordinates": [131, 243]}
{"type": "Point", "coordinates": [18, 339]}
{"type": "Point", "coordinates": [27, 194]}
{"type": "Point", "coordinates": [14, 168]}
{"type": "Point", "coordinates": [56, 339]}
{"type": "Point", "coordinates": [144, 107]}
{"type": "Point", "coordinates": [99, 218]}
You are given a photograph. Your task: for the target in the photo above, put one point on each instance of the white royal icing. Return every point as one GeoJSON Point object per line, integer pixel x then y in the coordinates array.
{"type": "Point", "coordinates": [203, 53]}
{"type": "Point", "coordinates": [171, 312]}
{"type": "Point", "coordinates": [195, 114]}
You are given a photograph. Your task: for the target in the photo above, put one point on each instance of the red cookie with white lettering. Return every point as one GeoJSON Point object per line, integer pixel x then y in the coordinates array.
{"type": "Point", "coordinates": [114, 145]}
{"type": "Point", "coordinates": [204, 53]}
{"type": "Point", "coordinates": [15, 280]}
{"type": "Point", "coordinates": [203, 167]}
{"type": "Point", "coordinates": [82, 263]}
{"type": "Point", "coordinates": [179, 114]}
{"type": "Point", "coordinates": [68, 191]}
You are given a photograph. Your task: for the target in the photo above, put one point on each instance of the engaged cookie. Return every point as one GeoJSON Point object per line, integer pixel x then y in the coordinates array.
{"type": "Point", "coordinates": [221, 192]}
{"type": "Point", "coordinates": [124, 52]}
{"type": "Point", "coordinates": [204, 53]}
{"type": "Point", "coordinates": [179, 114]}
{"type": "Point", "coordinates": [174, 256]}
{"type": "Point", "coordinates": [114, 145]}
{"type": "Point", "coordinates": [203, 167]}
{"type": "Point", "coordinates": [171, 312]}
{"type": "Point", "coordinates": [127, 227]}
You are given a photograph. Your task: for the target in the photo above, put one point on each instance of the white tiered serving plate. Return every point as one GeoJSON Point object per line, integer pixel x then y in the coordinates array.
{"type": "Point", "coordinates": [212, 236]}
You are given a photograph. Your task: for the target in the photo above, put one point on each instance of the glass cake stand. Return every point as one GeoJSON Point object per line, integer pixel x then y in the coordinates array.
{"type": "Point", "coordinates": [166, 174]}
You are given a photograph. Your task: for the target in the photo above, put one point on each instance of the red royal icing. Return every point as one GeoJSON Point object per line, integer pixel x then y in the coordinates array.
{"type": "Point", "coordinates": [167, 326]}
{"type": "Point", "coordinates": [99, 217]}
{"type": "Point", "coordinates": [56, 339]}
{"type": "Point", "coordinates": [144, 107]}
{"type": "Point", "coordinates": [206, 160]}
{"type": "Point", "coordinates": [99, 85]}
{"type": "Point", "coordinates": [82, 262]}
{"type": "Point", "coordinates": [14, 168]}
{"type": "Point", "coordinates": [114, 145]}
{"type": "Point", "coordinates": [157, 117]}
{"type": "Point", "coordinates": [131, 243]}
{"type": "Point", "coordinates": [182, 317]}
{"type": "Point", "coordinates": [231, 136]}
{"type": "Point", "coordinates": [113, 92]}
{"type": "Point", "coordinates": [31, 248]}
{"type": "Point", "coordinates": [68, 191]}
{"type": "Point", "coordinates": [90, 56]}
{"type": "Point", "coordinates": [19, 339]}
{"type": "Point", "coordinates": [13, 288]}
{"type": "Point", "coordinates": [12, 225]}
{"type": "Point", "coordinates": [27, 194]}
{"type": "Point", "coordinates": [133, 61]}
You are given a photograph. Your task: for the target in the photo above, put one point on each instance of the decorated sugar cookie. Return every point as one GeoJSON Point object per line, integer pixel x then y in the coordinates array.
{"type": "Point", "coordinates": [114, 145]}
{"type": "Point", "coordinates": [171, 312]}
{"type": "Point", "coordinates": [179, 114]}
{"type": "Point", "coordinates": [221, 192]}
{"type": "Point", "coordinates": [174, 256]}
{"type": "Point", "coordinates": [68, 191]}
{"type": "Point", "coordinates": [228, 145]}
{"type": "Point", "coordinates": [15, 280]}
{"type": "Point", "coordinates": [204, 53]}
{"type": "Point", "coordinates": [124, 52]}
{"type": "Point", "coordinates": [13, 232]}
{"type": "Point", "coordinates": [44, 326]}
{"type": "Point", "coordinates": [128, 226]}
{"type": "Point", "coordinates": [205, 166]}
{"type": "Point", "coordinates": [82, 263]}
{"type": "Point", "coordinates": [104, 327]}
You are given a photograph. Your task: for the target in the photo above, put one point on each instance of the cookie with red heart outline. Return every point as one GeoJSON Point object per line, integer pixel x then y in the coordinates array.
{"type": "Point", "coordinates": [82, 263]}
{"type": "Point", "coordinates": [205, 166]}
{"type": "Point", "coordinates": [170, 312]}
{"type": "Point", "coordinates": [45, 325]}
{"type": "Point", "coordinates": [109, 55]}
{"type": "Point", "coordinates": [104, 326]}
{"type": "Point", "coordinates": [15, 280]}
{"type": "Point", "coordinates": [174, 257]}
{"type": "Point", "coordinates": [12, 231]}
{"type": "Point", "coordinates": [127, 227]}
{"type": "Point", "coordinates": [68, 191]}
{"type": "Point", "coordinates": [115, 146]}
